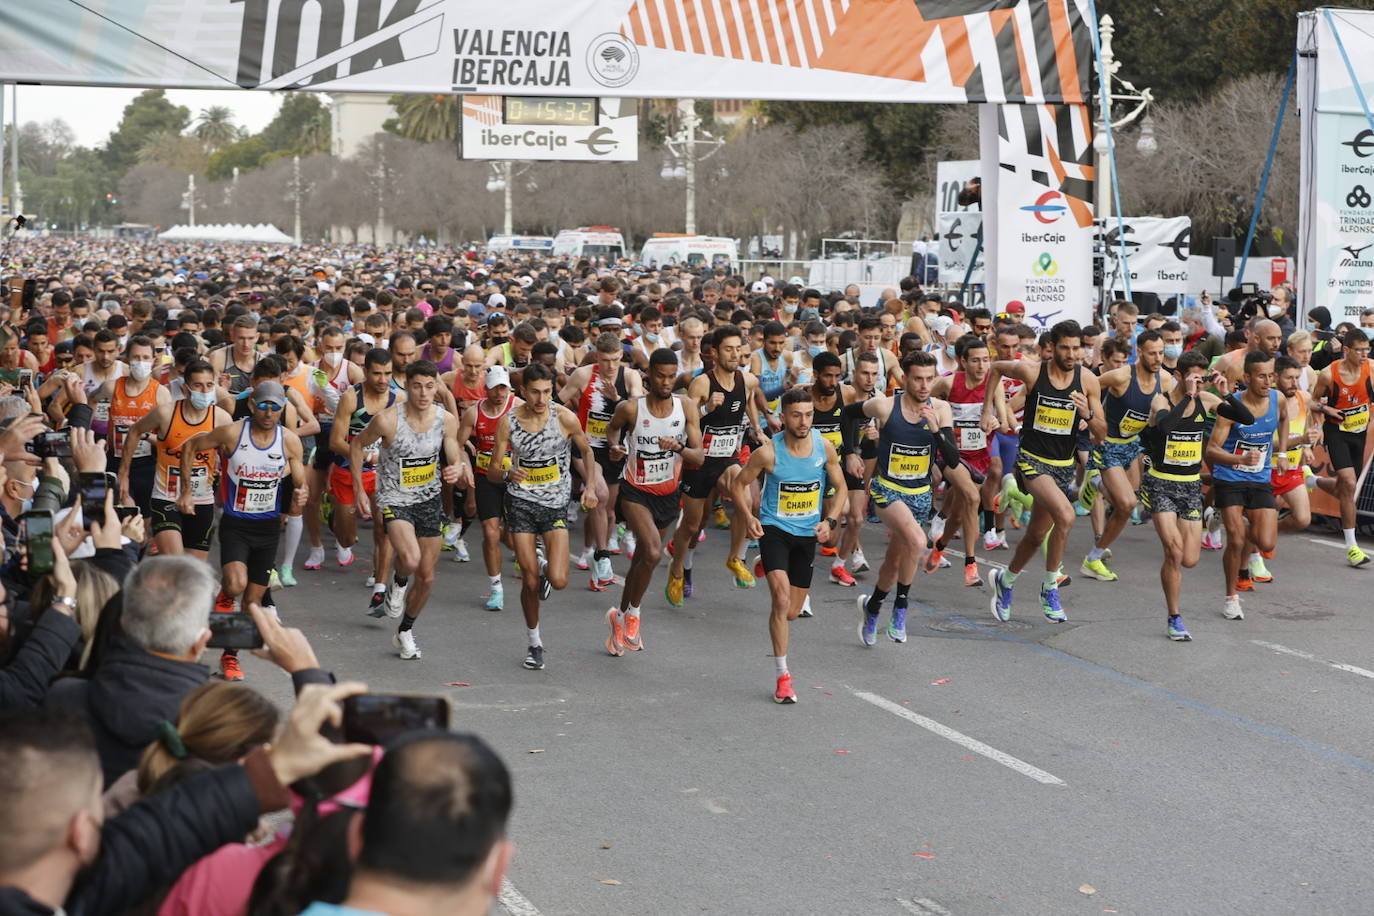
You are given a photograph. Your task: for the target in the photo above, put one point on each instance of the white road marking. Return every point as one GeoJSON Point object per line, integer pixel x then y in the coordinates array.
{"type": "Point", "coordinates": [1327, 542]}
{"type": "Point", "coordinates": [514, 902]}
{"type": "Point", "coordinates": [1339, 666]}
{"type": "Point", "coordinates": [923, 906]}
{"type": "Point", "coordinates": [959, 738]}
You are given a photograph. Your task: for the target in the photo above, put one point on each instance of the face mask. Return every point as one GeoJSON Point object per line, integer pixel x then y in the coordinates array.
{"type": "Point", "coordinates": [498, 341]}
{"type": "Point", "coordinates": [651, 337]}
{"type": "Point", "coordinates": [1368, 332]}
{"type": "Point", "coordinates": [789, 307]}
{"type": "Point", "coordinates": [333, 359]}
{"type": "Point", "coordinates": [140, 369]}
{"type": "Point", "coordinates": [1313, 326]}
{"type": "Point", "coordinates": [949, 348]}
{"type": "Point", "coordinates": [202, 400]}
{"type": "Point", "coordinates": [815, 351]}
{"type": "Point", "coordinates": [1173, 351]}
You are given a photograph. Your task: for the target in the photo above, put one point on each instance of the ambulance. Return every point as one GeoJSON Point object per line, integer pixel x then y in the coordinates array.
{"type": "Point", "coordinates": [525, 244]}
{"type": "Point", "coordinates": [603, 242]}
{"type": "Point", "coordinates": [696, 250]}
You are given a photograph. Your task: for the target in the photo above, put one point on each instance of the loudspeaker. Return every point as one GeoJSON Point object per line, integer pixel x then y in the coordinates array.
{"type": "Point", "coordinates": [1223, 257]}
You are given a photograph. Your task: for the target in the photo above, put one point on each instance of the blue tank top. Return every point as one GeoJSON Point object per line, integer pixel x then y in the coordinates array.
{"type": "Point", "coordinates": [253, 476]}
{"type": "Point", "coordinates": [1128, 415]}
{"type": "Point", "coordinates": [771, 377]}
{"type": "Point", "coordinates": [793, 490]}
{"type": "Point", "coordinates": [1257, 437]}
{"type": "Point", "coordinates": [905, 450]}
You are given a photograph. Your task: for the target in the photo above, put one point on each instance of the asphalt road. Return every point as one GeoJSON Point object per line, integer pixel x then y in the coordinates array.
{"type": "Point", "coordinates": [979, 768]}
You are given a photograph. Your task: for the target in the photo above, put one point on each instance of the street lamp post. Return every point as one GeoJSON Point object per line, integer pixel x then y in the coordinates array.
{"type": "Point", "coordinates": [1142, 98]}
{"type": "Point", "coordinates": [295, 194]}
{"type": "Point", "coordinates": [502, 178]}
{"type": "Point", "coordinates": [683, 146]}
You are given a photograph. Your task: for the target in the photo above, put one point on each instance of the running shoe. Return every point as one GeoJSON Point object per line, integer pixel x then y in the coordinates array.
{"type": "Point", "coordinates": [396, 600]}
{"type": "Point", "coordinates": [629, 541]}
{"type": "Point", "coordinates": [896, 628]}
{"type": "Point", "coordinates": [839, 576]}
{"type": "Point", "coordinates": [1243, 582]}
{"type": "Point", "coordinates": [1309, 478]}
{"type": "Point", "coordinates": [1231, 609]}
{"type": "Point", "coordinates": [743, 577]}
{"type": "Point", "coordinates": [1079, 511]}
{"type": "Point", "coordinates": [1049, 603]}
{"type": "Point", "coordinates": [223, 603]}
{"type": "Point", "coordinates": [534, 658]}
{"type": "Point", "coordinates": [759, 571]}
{"type": "Point", "coordinates": [229, 668]}
{"type": "Point", "coordinates": [686, 583]}
{"type": "Point", "coordinates": [1177, 631]}
{"type": "Point", "coordinates": [613, 544]}
{"type": "Point", "coordinates": [371, 578]}
{"type": "Point", "coordinates": [857, 561]}
{"type": "Point", "coordinates": [1267, 554]}
{"type": "Point", "coordinates": [701, 535]}
{"type": "Point", "coordinates": [545, 586]}
{"type": "Point", "coordinates": [615, 643]}
{"type": "Point", "coordinates": [993, 541]}
{"type": "Point", "coordinates": [587, 557]}
{"type": "Point", "coordinates": [1356, 557]}
{"type": "Point", "coordinates": [1087, 495]}
{"type": "Point", "coordinates": [784, 694]}
{"type": "Point", "coordinates": [315, 559]}
{"type": "Point", "coordinates": [1259, 572]}
{"type": "Point", "coordinates": [972, 578]}
{"type": "Point", "coordinates": [287, 576]}
{"type": "Point", "coordinates": [344, 556]}
{"type": "Point", "coordinates": [806, 608]}
{"type": "Point", "coordinates": [404, 641]}
{"type": "Point", "coordinates": [1096, 569]}
{"type": "Point", "coordinates": [673, 590]}
{"type": "Point", "coordinates": [932, 560]}
{"type": "Point", "coordinates": [720, 519]}
{"type": "Point", "coordinates": [621, 531]}
{"type": "Point", "coordinates": [375, 605]}
{"type": "Point", "coordinates": [274, 580]}
{"type": "Point", "coordinates": [327, 513]}
{"type": "Point", "coordinates": [460, 552]}
{"type": "Point", "coordinates": [1002, 501]}
{"type": "Point", "coordinates": [937, 527]}
{"type": "Point", "coordinates": [1212, 542]}
{"type": "Point", "coordinates": [633, 641]}
{"type": "Point", "coordinates": [450, 533]}
{"type": "Point", "coordinates": [1001, 596]}
{"type": "Point", "coordinates": [868, 623]}
{"type": "Point", "coordinates": [829, 551]}
{"type": "Point", "coordinates": [496, 601]}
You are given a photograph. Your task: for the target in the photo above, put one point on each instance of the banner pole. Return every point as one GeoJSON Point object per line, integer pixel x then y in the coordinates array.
{"type": "Point", "coordinates": [1268, 166]}
{"type": "Point", "coordinates": [1103, 92]}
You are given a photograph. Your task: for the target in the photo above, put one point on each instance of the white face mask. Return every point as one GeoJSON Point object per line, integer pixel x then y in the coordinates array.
{"type": "Point", "coordinates": [140, 369]}
{"type": "Point", "coordinates": [332, 359]}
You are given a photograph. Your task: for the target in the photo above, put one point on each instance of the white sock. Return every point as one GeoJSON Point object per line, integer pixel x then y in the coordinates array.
{"type": "Point", "coordinates": [780, 662]}
{"type": "Point", "coordinates": [295, 524]}
{"type": "Point", "coordinates": [379, 588]}
{"type": "Point", "coordinates": [1312, 484]}
{"type": "Point", "coordinates": [743, 551]}
{"type": "Point", "coordinates": [495, 581]}
{"type": "Point", "coordinates": [632, 611]}
{"type": "Point", "coordinates": [687, 560]}
{"type": "Point", "coordinates": [534, 637]}
{"type": "Point", "coordinates": [1349, 537]}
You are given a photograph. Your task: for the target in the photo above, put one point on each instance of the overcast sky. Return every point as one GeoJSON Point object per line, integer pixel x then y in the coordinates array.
{"type": "Point", "coordinates": [94, 113]}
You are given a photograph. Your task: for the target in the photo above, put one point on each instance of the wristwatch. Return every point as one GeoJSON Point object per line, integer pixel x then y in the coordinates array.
{"type": "Point", "coordinates": [832, 522]}
{"type": "Point", "coordinates": [65, 602]}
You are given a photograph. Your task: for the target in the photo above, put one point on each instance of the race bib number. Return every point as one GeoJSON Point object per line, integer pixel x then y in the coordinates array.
{"type": "Point", "coordinates": [833, 436]}
{"type": "Point", "coordinates": [540, 475]}
{"type": "Point", "coordinates": [256, 497]}
{"type": "Point", "coordinates": [722, 442]}
{"type": "Point", "coordinates": [971, 436]}
{"type": "Point", "coordinates": [1355, 419]}
{"type": "Point", "coordinates": [1249, 448]}
{"type": "Point", "coordinates": [101, 412]}
{"type": "Point", "coordinates": [799, 500]}
{"type": "Point", "coordinates": [1183, 449]}
{"type": "Point", "coordinates": [656, 467]}
{"type": "Point", "coordinates": [200, 482]}
{"type": "Point", "coordinates": [1054, 416]}
{"type": "Point", "coordinates": [418, 472]}
{"type": "Point", "coordinates": [1133, 423]}
{"type": "Point", "coordinates": [596, 426]}
{"type": "Point", "coordinates": [143, 449]}
{"type": "Point", "coordinates": [484, 461]}
{"type": "Point", "coordinates": [908, 462]}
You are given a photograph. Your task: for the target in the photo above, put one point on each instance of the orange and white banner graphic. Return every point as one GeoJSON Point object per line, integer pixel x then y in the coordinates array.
{"type": "Point", "coordinates": [948, 51]}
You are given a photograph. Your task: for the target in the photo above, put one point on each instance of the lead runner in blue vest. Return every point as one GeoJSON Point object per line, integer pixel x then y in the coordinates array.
{"type": "Point", "coordinates": [799, 469]}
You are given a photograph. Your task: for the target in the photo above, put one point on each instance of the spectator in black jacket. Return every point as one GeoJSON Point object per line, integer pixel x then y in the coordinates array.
{"type": "Point", "coordinates": [24, 680]}
{"type": "Point", "coordinates": [59, 854]}
{"type": "Point", "coordinates": [151, 667]}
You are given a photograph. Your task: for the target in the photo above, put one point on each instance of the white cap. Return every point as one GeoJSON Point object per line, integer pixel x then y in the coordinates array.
{"type": "Point", "coordinates": [940, 324]}
{"type": "Point", "coordinates": [759, 287]}
{"type": "Point", "coordinates": [525, 280]}
{"type": "Point", "coordinates": [495, 300]}
{"type": "Point", "coordinates": [498, 376]}
{"type": "Point", "coordinates": [368, 339]}
{"type": "Point", "coordinates": [797, 281]}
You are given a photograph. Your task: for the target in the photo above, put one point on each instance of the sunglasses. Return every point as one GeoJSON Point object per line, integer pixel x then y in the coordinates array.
{"type": "Point", "coordinates": [267, 405]}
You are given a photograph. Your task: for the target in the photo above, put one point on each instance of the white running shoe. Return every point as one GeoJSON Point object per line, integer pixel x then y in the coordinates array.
{"type": "Point", "coordinates": [395, 600]}
{"type": "Point", "coordinates": [451, 535]}
{"type": "Point", "coordinates": [1231, 610]}
{"type": "Point", "coordinates": [585, 558]}
{"type": "Point", "coordinates": [857, 561]}
{"type": "Point", "coordinates": [629, 544]}
{"type": "Point", "coordinates": [993, 541]}
{"type": "Point", "coordinates": [460, 552]}
{"type": "Point", "coordinates": [806, 608]}
{"type": "Point", "coordinates": [937, 527]}
{"type": "Point", "coordinates": [316, 558]}
{"type": "Point", "coordinates": [404, 640]}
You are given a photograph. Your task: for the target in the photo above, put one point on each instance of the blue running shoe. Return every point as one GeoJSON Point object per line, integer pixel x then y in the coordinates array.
{"type": "Point", "coordinates": [868, 623]}
{"type": "Point", "coordinates": [1049, 603]}
{"type": "Point", "coordinates": [896, 630]}
{"type": "Point", "coordinates": [1001, 595]}
{"type": "Point", "coordinates": [1177, 631]}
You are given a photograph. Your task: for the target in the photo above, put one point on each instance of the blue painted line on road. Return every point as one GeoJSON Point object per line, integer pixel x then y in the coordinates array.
{"type": "Point", "coordinates": [1196, 705]}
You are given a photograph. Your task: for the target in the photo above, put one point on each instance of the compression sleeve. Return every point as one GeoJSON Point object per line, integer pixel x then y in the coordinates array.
{"type": "Point", "coordinates": [852, 417]}
{"type": "Point", "coordinates": [1233, 409]}
{"type": "Point", "coordinates": [948, 448]}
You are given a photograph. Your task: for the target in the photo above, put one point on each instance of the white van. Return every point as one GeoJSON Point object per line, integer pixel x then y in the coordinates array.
{"type": "Point", "coordinates": [590, 242]}
{"type": "Point", "coordinates": [697, 250]}
{"type": "Point", "coordinates": [528, 244]}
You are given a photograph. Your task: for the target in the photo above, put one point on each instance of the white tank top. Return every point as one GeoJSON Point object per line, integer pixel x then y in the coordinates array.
{"type": "Point", "coordinates": [647, 465]}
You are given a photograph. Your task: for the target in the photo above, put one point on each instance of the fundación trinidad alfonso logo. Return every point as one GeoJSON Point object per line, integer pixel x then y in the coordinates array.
{"type": "Point", "coordinates": [1047, 207]}
{"type": "Point", "coordinates": [612, 60]}
{"type": "Point", "coordinates": [1045, 266]}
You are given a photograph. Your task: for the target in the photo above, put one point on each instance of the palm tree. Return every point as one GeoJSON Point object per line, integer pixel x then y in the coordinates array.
{"type": "Point", "coordinates": [427, 118]}
{"type": "Point", "coordinates": [215, 127]}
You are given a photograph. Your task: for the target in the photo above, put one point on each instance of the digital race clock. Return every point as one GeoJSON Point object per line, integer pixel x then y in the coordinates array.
{"type": "Point", "coordinates": [548, 111]}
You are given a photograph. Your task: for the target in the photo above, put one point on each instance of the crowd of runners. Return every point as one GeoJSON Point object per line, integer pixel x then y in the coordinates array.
{"type": "Point", "coordinates": [490, 409]}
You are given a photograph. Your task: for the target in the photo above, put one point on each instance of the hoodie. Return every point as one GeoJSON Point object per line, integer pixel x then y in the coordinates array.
{"type": "Point", "coordinates": [130, 693]}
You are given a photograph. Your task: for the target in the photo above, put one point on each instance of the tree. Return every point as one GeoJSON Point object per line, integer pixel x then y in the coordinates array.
{"type": "Point", "coordinates": [244, 155]}
{"type": "Point", "coordinates": [215, 127]}
{"type": "Point", "coordinates": [177, 150]}
{"type": "Point", "coordinates": [426, 117]}
{"type": "Point", "coordinates": [147, 114]}
{"type": "Point", "coordinates": [296, 128]}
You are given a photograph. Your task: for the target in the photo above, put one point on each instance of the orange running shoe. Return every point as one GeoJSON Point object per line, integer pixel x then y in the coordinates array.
{"type": "Point", "coordinates": [840, 576]}
{"type": "Point", "coordinates": [784, 694]}
{"type": "Point", "coordinates": [971, 577]}
{"type": "Point", "coordinates": [229, 668]}
{"type": "Point", "coordinates": [633, 642]}
{"type": "Point", "coordinates": [615, 643]}
{"type": "Point", "coordinates": [1245, 584]}
{"type": "Point", "coordinates": [829, 551]}
{"type": "Point", "coordinates": [932, 561]}
{"type": "Point", "coordinates": [1267, 554]}
{"type": "Point", "coordinates": [224, 604]}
